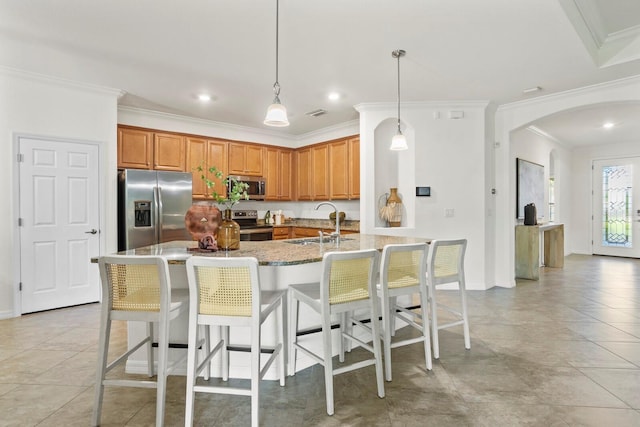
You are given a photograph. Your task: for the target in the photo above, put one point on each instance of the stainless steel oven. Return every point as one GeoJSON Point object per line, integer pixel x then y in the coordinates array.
{"type": "Point", "coordinates": [249, 228]}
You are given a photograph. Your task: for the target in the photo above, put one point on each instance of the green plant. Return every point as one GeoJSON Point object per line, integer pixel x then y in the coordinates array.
{"type": "Point", "coordinates": [237, 192]}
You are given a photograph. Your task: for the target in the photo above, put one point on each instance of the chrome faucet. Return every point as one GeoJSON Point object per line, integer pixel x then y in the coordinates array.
{"type": "Point", "coordinates": [337, 232]}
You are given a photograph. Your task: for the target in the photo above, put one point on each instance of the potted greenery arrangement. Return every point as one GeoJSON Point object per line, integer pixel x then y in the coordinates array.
{"type": "Point", "coordinates": [229, 230]}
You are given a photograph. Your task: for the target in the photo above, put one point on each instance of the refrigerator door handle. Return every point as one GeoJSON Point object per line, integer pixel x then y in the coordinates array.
{"type": "Point", "coordinates": [159, 210]}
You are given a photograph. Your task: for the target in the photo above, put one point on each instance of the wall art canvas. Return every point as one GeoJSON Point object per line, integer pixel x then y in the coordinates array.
{"type": "Point", "coordinates": [530, 187]}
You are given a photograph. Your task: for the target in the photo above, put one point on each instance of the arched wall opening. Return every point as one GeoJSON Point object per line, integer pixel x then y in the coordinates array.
{"type": "Point", "coordinates": [509, 120]}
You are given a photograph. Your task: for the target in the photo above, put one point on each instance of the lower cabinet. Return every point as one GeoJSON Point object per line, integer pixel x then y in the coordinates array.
{"type": "Point", "coordinates": [281, 233]}
{"type": "Point", "coordinates": [313, 232]}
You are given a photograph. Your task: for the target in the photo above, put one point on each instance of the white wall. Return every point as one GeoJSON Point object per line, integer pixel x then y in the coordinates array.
{"type": "Point", "coordinates": [445, 154]}
{"type": "Point", "coordinates": [42, 106]}
{"type": "Point", "coordinates": [537, 148]}
{"type": "Point", "coordinates": [582, 185]}
{"type": "Point", "coordinates": [514, 116]}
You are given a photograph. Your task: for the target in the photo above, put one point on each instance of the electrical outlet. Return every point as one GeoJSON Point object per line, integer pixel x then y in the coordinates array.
{"type": "Point", "coordinates": [448, 213]}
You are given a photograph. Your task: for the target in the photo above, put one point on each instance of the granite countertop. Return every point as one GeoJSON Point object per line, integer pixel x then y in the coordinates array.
{"type": "Point", "coordinates": [348, 224]}
{"type": "Point", "coordinates": [275, 252]}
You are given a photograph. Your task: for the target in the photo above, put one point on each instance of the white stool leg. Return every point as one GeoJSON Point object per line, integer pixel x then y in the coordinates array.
{"type": "Point", "coordinates": [103, 351]}
{"type": "Point", "coordinates": [328, 363]}
{"type": "Point", "coordinates": [386, 335]}
{"type": "Point", "coordinates": [294, 307]}
{"type": "Point", "coordinates": [150, 349]}
{"type": "Point", "coordinates": [424, 310]}
{"type": "Point", "coordinates": [163, 356]}
{"type": "Point", "coordinates": [192, 363]}
{"type": "Point", "coordinates": [465, 315]}
{"type": "Point", "coordinates": [434, 322]}
{"type": "Point", "coordinates": [224, 331]}
{"type": "Point", "coordinates": [377, 352]}
{"type": "Point", "coordinates": [280, 317]}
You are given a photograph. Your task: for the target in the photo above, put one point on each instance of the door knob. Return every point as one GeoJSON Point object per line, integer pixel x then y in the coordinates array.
{"type": "Point", "coordinates": [93, 231]}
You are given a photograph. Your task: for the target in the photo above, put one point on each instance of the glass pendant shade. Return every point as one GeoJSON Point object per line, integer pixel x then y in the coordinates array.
{"type": "Point", "coordinates": [276, 115]}
{"type": "Point", "coordinates": [399, 142]}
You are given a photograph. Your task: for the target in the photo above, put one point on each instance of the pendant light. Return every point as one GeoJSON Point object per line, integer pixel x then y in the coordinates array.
{"type": "Point", "coordinates": [276, 113]}
{"type": "Point", "coordinates": [398, 142]}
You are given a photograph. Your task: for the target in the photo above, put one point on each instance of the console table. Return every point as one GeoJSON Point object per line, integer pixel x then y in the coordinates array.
{"type": "Point", "coordinates": [535, 243]}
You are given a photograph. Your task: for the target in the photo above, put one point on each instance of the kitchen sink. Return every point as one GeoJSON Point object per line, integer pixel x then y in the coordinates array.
{"type": "Point", "coordinates": [316, 240]}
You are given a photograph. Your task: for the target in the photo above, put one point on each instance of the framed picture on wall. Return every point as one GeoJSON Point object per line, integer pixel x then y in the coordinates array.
{"type": "Point", "coordinates": [529, 187]}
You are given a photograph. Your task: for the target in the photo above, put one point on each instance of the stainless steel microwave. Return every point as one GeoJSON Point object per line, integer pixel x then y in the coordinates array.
{"type": "Point", "coordinates": [257, 186]}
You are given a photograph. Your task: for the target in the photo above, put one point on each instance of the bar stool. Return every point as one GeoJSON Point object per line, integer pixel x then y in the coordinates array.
{"type": "Point", "coordinates": [347, 284]}
{"type": "Point", "coordinates": [137, 288]}
{"type": "Point", "coordinates": [403, 272]}
{"type": "Point", "coordinates": [445, 264]}
{"type": "Point", "coordinates": [226, 292]}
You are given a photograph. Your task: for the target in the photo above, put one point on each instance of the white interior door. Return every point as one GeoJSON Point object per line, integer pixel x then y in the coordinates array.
{"type": "Point", "coordinates": [616, 207]}
{"type": "Point", "coordinates": [59, 223]}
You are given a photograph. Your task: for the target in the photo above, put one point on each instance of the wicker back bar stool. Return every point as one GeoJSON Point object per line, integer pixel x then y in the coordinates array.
{"type": "Point", "coordinates": [347, 284]}
{"type": "Point", "coordinates": [226, 292]}
{"type": "Point", "coordinates": [137, 288]}
{"type": "Point", "coordinates": [445, 264]}
{"type": "Point", "coordinates": [402, 272]}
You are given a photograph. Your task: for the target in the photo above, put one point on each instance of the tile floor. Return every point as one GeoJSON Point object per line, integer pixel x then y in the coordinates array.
{"type": "Point", "coordinates": [564, 351]}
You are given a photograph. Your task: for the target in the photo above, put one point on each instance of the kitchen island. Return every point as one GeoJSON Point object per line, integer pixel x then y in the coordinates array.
{"type": "Point", "coordinates": [282, 262]}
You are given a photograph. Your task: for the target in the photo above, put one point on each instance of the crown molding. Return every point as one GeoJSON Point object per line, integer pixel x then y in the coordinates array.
{"type": "Point", "coordinates": [415, 105]}
{"type": "Point", "coordinates": [537, 131]}
{"type": "Point", "coordinates": [58, 81]}
{"type": "Point", "coordinates": [334, 128]}
{"type": "Point", "coordinates": [199, 121]}
{"type": "Point", "coordinates": [613, 84]}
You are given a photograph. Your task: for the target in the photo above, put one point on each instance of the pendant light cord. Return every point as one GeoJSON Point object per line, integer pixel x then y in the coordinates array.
{"type": "Point", "coordinates": [276, 85]}
{"type": "Point", "coordinates": [399, 92]}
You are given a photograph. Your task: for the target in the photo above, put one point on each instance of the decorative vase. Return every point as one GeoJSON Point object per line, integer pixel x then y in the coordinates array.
{"type": "Point", "coordinates": [202, 220]}
{"type": "Point", "coordinates": [228, 233]}
{"type": "Point", "coordinates": [394, 203]}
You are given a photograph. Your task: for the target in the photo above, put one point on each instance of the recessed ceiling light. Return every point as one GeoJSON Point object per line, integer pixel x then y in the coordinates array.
{"type": "Point", "coordinates": [333, 96]}
{"type": "Point", "coordinates": [204, 97]}
{"type": "Point", "coordinates": [608, 125]}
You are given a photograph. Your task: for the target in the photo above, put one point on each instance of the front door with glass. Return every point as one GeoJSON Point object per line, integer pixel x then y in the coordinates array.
{"type": "Point", "coordinates": [616, 207]}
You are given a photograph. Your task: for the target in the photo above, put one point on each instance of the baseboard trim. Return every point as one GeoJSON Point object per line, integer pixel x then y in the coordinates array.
{"type": "Point", "coordinates": [7, 314]}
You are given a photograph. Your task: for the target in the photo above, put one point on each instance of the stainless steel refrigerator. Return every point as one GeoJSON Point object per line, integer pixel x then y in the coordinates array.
{"type": "Point", "coordinates": [152, 206]}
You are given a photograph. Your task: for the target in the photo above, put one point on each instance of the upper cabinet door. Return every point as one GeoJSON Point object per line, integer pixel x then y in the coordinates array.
{"type": "Point", "coordinates": [354, 168]}
{"type": "Point", "coordinates": [339, 170]}
{"type": "Point", "coordinates": [206, 153]}
{"type": "Point", "coordinates": [303, 168]}
{"type": "Point", "coordinates": [245, 159]}
{"type": "Point", "coordinates": [135, 149]}
{"type": "Point", "coordinates": [277, 173]}
{"type": "Point", "coordinates": [320, 168]}
{"type": "Point", "coordinates": [168, 152]}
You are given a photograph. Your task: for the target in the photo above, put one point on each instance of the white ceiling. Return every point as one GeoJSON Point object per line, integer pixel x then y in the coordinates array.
{"type": "Point", "coordinates": [163, 53]}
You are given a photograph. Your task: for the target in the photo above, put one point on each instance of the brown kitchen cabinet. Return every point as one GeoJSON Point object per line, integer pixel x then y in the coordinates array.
{"type": "Point", "coordinates": [168, 152]}
{"type": "Point", "coordinates": [303, 167]}
{"type": "Point", "coordinates": [320, 172]}
{"type": "Point", "coordinates": [313, 231]}
{"type": "Point", "coordinates": [135, 148]}
{"type": "Point", "coordinates": [354, 167]}
{"type": "Point", "coordinates": [277, 172]}
{"type": "Point", "coordinates": [206, 153]}
{"type": "Point", "coordinates": [305, 232]}
{"type": "Point", "coordinates": [281, 233]}
{"type": "Point", "coordinates": [344, 169]}
{"type": "Point", "coordinates": [329, 171]}
{"type": "Point", "coordinates": [245, 159]}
